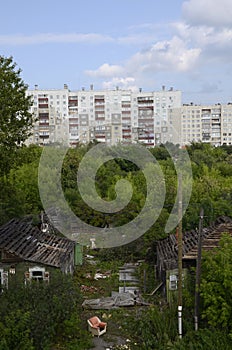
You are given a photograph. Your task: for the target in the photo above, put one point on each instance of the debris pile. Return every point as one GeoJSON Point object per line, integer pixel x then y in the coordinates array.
{"type": "Point", "coordinates": [115, 301]}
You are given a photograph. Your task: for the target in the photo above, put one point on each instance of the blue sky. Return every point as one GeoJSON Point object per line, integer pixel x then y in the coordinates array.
{"type": "Point", "coordinates": [185, 44]}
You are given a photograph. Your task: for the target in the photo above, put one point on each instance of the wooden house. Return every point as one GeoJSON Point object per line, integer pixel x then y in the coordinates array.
{"type": "Point", "coordinates": [23, 242]}
{"type": "Point", "coordinates": [167, 250]}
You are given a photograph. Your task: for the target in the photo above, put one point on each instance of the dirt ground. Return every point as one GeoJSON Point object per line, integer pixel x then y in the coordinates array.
{"type": "Point", "coordinates": [103, 343]}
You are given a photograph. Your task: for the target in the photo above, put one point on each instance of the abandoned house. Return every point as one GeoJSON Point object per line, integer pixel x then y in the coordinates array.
{"type": "Point", "coordinates": [167, 251]}
{"type": "Point", "coordinates": [38, 250]}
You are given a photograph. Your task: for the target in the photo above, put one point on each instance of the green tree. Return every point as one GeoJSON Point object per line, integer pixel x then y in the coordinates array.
{"type": "Point", "coordinates": [216, 286]}
{"type": "Point", "coordinates": [15, 118]}
{"type": "Point", "coordinates": [19, 189]}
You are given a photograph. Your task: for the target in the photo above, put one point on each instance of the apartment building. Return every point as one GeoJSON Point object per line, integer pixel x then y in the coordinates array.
{"type": "Point", "coordinates": [110, 116]}
{"type": "Point", "coordinates": [50, 108]}
{"type": "Point", "coordinates": [226, 124]}
{"type": "Point", "coordinates": [205, 123]}
{"type": "Point", "coordinates": [124, 116]}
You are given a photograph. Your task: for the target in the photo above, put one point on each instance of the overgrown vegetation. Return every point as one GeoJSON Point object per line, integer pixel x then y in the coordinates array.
{"type": "Point", "coordinates": [212, 190]}
{"type": "Point", "coordinates": [216, 286]}
{"type": "Point", "coordinates": [42, 316]}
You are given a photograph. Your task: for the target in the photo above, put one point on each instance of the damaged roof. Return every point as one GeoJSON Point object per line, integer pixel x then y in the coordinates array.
{"type": "Point", "coordinates": [21, 238]}
{"type": "Point", "coordinates": [167, 249]}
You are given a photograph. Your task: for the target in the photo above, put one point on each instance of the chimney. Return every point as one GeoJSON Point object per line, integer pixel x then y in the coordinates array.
{"type": "Point", "coordinates": [140, 89]}
{"type": "Point", "coordinates": [91, 87]}
{"type": "Point", "coordinates": [65, 86]}
{"type": "Point", "coordinates": [163, 87]}
{"type": "Point", "coordinates": [36, 87]}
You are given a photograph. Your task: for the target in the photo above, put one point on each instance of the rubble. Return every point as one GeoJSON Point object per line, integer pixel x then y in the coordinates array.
{"type": "Point", "coordinates": [115, 301]}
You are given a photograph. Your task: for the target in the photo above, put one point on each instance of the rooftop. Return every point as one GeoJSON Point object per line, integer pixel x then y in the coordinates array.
{"type": "Point", "coordinates": [19, 237]}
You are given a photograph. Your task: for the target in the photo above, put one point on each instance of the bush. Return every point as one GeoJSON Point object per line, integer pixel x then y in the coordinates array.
{"type": "Point", "coordinates": [37, 315]}
{"type": "Point", "coordinates": [204, 339]}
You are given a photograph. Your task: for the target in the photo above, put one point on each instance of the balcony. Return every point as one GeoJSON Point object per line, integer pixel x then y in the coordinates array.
{"type": "Point", "coordinates": [43, 123]}
{"type": "Point", "coordinates": [147, 100]}
{"type": "Point", "coordinates": [72, 103]}
{"type": "Point", "coordinates": [43, 105]}
{"type": "Point", "coordinates": [99, 100]}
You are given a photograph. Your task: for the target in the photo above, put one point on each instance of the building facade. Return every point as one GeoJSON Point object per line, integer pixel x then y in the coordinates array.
{"type": "Point", "coordinates": [50, 108]}
{"type": "Point", "coordinates": [205, 123]}
{"type": "Point", "coordinates": [123, 116]}
{"type": "Point", "coordinates": [110, 116]}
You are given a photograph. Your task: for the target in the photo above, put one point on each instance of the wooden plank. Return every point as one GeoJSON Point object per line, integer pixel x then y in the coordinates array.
{"type": "Point", "coordinates": [51, 249]}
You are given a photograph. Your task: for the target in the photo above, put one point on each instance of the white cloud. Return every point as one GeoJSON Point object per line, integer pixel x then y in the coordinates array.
{"type": "Point", "coordinates": [44, 38]}
{"type": "Point", "coordinates": [169, 55]}
{"type": "Point", "coordinates": [164, 56]}
{"type": "Point", "coordinates": [215, 43]}
{"type": "Point", "coordinates": [105, 70]}
{"type": "Point", "coordinates": [208, 12]}
{"type": "Point", "coordinates": [88, 38]}
{"type": "Point", "coordinates": [127, 83]}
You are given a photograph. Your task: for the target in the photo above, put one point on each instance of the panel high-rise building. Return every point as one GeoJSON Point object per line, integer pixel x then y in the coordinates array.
{"type": "Point", "coordinates": [203, 123]}
{"type": "Point", "coordinates": [124, 116]}
{"type": "Point", "coordinates": [110, 116]}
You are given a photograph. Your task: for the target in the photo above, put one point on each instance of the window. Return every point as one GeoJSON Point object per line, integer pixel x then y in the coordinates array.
{"type": "Point", "coordinates": [3, 279]}
{"type": "Point", "coordinates": [37, 274]}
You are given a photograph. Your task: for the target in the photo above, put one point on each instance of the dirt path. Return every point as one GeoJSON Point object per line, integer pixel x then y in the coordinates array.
{"type": "Point", "coordinates": [100, 344]}
{"type": "Point", "coordinates": [103, 343]}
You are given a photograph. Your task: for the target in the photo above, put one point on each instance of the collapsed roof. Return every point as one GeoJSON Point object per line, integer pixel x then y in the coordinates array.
{"type": "Point", "coordinates": [22, 239]}
{"type": "Point", "coordinates": [167, 249]}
